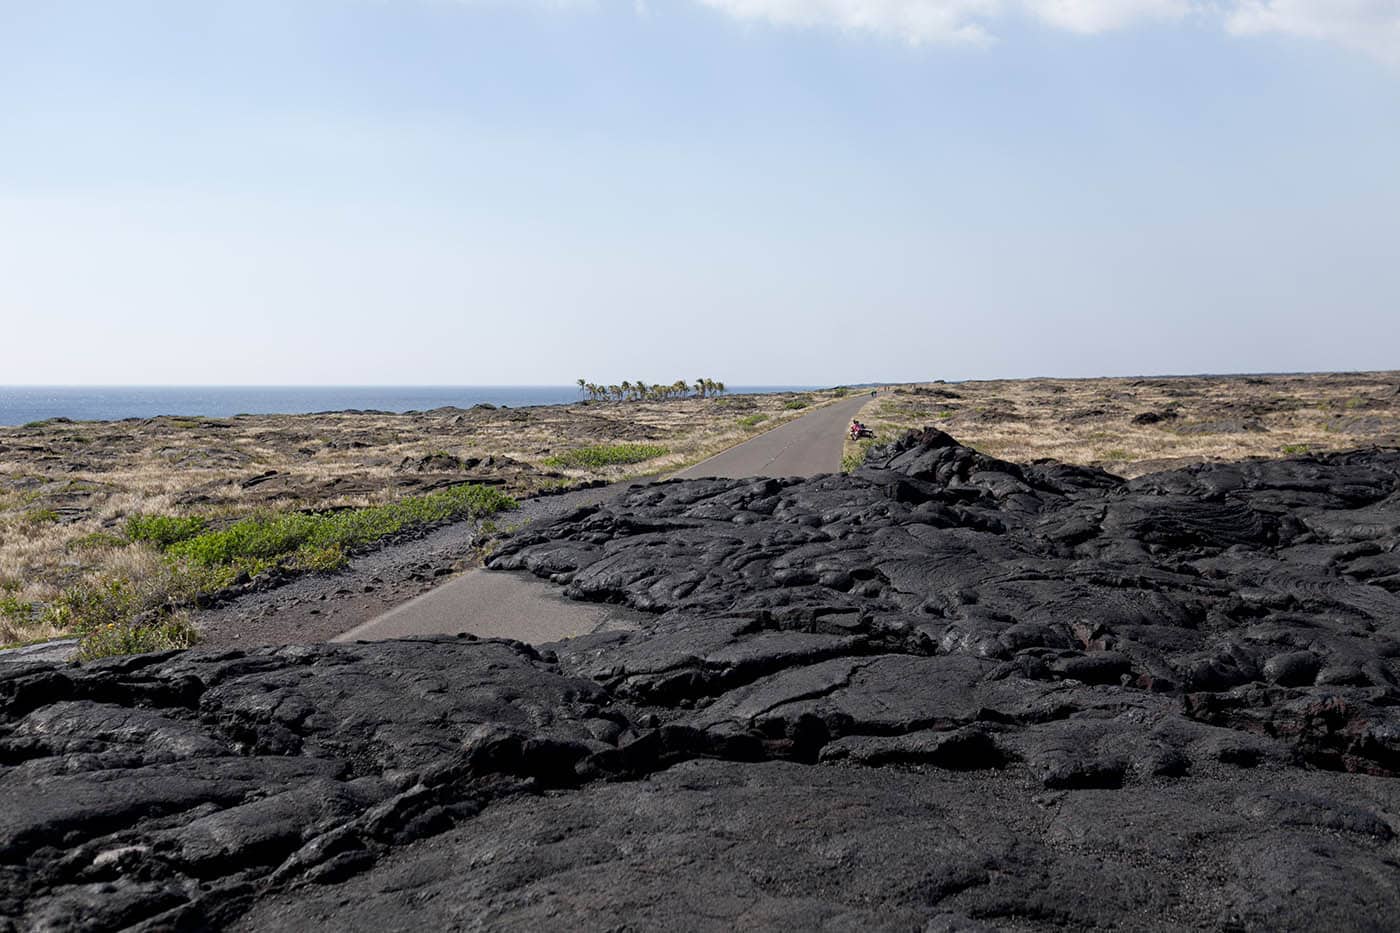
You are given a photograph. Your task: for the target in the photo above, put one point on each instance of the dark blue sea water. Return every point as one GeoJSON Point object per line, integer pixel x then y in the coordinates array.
{"type": "Point", "coordinates": [23, 404]}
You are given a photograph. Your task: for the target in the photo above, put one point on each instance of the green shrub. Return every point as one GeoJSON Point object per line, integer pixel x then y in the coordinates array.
{"type": "Point", "coordinates": [796, 404]}
{"type": "Point", "coordinates": [853, 460]}
{"type": "Point", "coordinates": [606, 455]}
{"type": "Point", "coordinates": [320, 540]}
{"type": "Point", "coordinates": [259, 537]}
{"type": "Point", "coordinates": [840, 392]}
{"type": "Point", "coordinates": [15, 609]}
{"type": "Point", "coordinates": [163, 530]}
{"type": "Point", "coordinates": [750, 421]}
{"type": "Point", "coordinates": [169, 634]}
{"type": "Point", "coordinates": [117, 600]}
{"type": "Point", "coordinates": [116, 615]}
{"type": "Point", "coordinates": [41, 517]}
{"type": "Point", "coordinates": [320, 559]}
{"type": "Point", "coordinates": [88, 606]}
{"type": "Point", "coordinates": [1295, 448]}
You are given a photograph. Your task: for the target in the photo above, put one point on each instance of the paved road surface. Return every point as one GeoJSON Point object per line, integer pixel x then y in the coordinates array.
{"type": "Point", "coordinates": [517, 605]}
{"type": "Point", "coordinates": [804, 447]}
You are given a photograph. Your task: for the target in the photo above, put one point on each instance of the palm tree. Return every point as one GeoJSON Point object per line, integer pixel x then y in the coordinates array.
{"type": "Point", "coordinates": [719, 387]}
{"type": "Point", "coordinates": [582, 386]}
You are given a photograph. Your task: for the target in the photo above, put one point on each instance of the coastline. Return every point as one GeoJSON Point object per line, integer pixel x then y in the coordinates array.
{"type": "Point", "coordinates": [25, 404]}
{"type": "Point", "coordinates": [68, 490]}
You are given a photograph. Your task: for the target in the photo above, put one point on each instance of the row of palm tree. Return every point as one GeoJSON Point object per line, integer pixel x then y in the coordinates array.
{"type": "Point", "coordinates": [640, 391]}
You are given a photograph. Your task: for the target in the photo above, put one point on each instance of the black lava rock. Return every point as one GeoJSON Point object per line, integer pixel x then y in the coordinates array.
{"type": "Point", "coordinates": [946, 693]}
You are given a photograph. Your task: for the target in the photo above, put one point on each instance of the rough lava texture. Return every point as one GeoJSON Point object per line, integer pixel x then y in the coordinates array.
{"type": "Point", "coordinates": [944, 693]}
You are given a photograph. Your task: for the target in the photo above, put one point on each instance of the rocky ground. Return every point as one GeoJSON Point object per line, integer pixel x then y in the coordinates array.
{"type": "Point", "coordinates": [946, 692]}
{"type": "Point", "coordinates": [1135, 426]}
{"type": "Point", "coordinates": [67, 489]}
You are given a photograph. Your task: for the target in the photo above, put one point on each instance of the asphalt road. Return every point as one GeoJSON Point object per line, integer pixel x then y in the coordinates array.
{"type": "Point", "coordinates": [803, 447]}
{"type": "Point", "coordinates": [492, 604]}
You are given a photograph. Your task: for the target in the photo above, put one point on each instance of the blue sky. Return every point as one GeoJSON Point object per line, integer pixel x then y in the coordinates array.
{"type": "Point", "coordinates": [765, 191]}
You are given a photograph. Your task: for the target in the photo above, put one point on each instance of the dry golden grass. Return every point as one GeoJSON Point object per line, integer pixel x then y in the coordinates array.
{"type": "Point", "coordinates": [1091, 421]}
{"type": "Point", "coordinates": [67, 489]}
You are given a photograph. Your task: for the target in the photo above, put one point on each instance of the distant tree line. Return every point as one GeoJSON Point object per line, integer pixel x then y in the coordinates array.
{"type": "Point", "coordinates": [640, 391]}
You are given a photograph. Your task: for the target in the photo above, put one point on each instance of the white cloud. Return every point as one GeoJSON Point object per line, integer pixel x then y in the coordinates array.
{"type": "Point", "coordinates": [1370, 25]}
{"type": "Point", "coordinates": [915, 21]}
{"type": "Point", "coordinates": [1095, 16]}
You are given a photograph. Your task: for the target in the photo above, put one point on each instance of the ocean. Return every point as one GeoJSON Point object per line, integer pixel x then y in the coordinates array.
{"type": "Point", "coordinates": [23, 404]}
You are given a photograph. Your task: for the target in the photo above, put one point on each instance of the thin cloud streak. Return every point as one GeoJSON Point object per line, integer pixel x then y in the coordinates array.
{"type": "Point", "coordinates": [1369, 26]}
{"type": "Point", "coordinates": [1091, 17]}
{"type": "Point", "coordinates": [913, 21]}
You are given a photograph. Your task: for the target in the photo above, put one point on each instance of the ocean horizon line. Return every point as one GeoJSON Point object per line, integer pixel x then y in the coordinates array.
{"type": "Point", "coordinates": [21, 405]}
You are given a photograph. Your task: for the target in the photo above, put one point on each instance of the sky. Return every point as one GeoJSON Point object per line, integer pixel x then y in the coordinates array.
{"type": "Point", "coordinates": [458, 192]}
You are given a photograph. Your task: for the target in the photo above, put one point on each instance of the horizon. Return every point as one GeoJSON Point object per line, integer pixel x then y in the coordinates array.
{"type": "Point", "coordinates": [572, 385]}
{"type": "Point", "coordinates": [245, 192]}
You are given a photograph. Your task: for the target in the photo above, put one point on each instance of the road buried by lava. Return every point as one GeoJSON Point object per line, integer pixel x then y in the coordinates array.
{"type": "Point", "coordinates": [492, 605]}
{"type": "Point", "coordinates": [946, 692]}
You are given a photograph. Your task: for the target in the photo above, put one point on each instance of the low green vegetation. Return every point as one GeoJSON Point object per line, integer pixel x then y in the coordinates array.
{"type": "Point", "coordinates": [752, 421]}
{"type": "Point", "coordinates": [187, 558]}
{"type": "Point", "coordinates": [15, 609]}
{"type": "Point", "coordinates": [797, 404]}
{"type": "Point", "coordinates": [602, 455]}
{"type": "Point", "coordinates": [163, 530]}
{"type": "Point", "coordinates": [169, 634]}
{"type": "Point", "coordinates": [1295, 448]}
{"type": "Point", "coordinates": [321, 540]}
{"type": "Point", "coordinates": [853, 460]}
